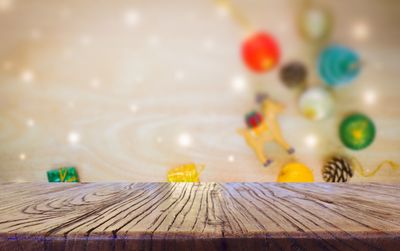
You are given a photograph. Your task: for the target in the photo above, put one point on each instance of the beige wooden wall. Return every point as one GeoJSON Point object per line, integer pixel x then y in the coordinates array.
{"type": "Point", "coordinates": [126, 89]}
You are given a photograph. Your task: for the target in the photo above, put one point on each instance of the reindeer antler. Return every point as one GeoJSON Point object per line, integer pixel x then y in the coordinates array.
{"type": "Point", "coordinates": [260, 97]}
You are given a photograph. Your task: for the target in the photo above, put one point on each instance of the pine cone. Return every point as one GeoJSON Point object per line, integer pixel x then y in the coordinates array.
{"type": "Point", "coordinates": [337, 169]}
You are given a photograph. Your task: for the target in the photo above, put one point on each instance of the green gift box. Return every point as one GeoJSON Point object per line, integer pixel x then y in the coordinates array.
{"type": "Point", "coordinates": [63, 174]}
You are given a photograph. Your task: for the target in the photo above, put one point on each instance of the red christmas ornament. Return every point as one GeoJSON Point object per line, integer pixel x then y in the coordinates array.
{"type": "Point", "coordinates": [260, 52]}
{"type": "Point", "coordinates": [253, 119]}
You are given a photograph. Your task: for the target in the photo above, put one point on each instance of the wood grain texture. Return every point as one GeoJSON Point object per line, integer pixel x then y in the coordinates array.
{"type": "Point", "coordinates": [199, 216]}
{"type": "Point", "coordinates": [177, 66]}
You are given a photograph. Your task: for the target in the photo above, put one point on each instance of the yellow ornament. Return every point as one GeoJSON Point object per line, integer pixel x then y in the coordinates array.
{"type": "Point", "coordinates": [185, 173]}
{"type": "Point", "coordinates": [295, 172]}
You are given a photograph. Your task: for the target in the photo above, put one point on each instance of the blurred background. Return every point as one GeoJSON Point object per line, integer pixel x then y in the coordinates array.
{"type": "Point", "coordinates": [124, 90]}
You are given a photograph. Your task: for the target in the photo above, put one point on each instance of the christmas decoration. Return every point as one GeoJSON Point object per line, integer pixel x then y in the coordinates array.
{"type": "Point", "coordinates": [260, 52]}
{"type": "Point", "coordinates": [316, 103]}
{"type": "Point", "coordinates": [185, 173]}
{"type": "Point", "coordinates": [361, 171]}
{"type": "Point", "coordinates": [341, 169]}
{"type": "Point", "coordinates": [295, 172]}
{"type": "Point", "coordinates": [267, 130]}
{"type": "Point", "coordinates": [315, 23]}
{"type": "Point", "coordinates": [337, 169]}
{"type": "Point", "coordinates": [338, 65]}
{"type": "Point", "coordinates": [357, 131]}
{"type": "Point", "coordinates": [293, 74]}
{"type": "Point", "coordinates": [253, 119]}
{"type": "Point", "coordinates": [63, 174]}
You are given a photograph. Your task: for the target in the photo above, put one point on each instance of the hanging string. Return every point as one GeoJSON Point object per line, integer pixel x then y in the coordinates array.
{"type": "Point", "coordinates": [236, 15]}
{"type": "Point", "coordinates": [359, 168]}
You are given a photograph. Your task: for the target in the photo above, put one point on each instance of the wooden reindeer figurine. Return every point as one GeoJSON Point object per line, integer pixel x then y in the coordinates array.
{"type": "Point", "coordinates": [263, 128]}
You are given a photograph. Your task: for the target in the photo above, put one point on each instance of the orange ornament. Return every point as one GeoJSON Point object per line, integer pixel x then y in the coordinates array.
{"type": "Point", "coordinates": [260, 52]}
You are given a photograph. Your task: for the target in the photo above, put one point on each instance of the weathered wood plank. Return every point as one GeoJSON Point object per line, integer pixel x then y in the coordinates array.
{"type": "Point", "coordinates": [204, 216]}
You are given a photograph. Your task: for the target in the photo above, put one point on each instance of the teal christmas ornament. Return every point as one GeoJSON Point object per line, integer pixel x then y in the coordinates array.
{"type": "Point", "coordinates": [338, 65]}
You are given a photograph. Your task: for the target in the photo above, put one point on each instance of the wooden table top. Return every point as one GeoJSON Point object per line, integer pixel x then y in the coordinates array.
{"type": "Point", "coordinates": [199, 216]}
